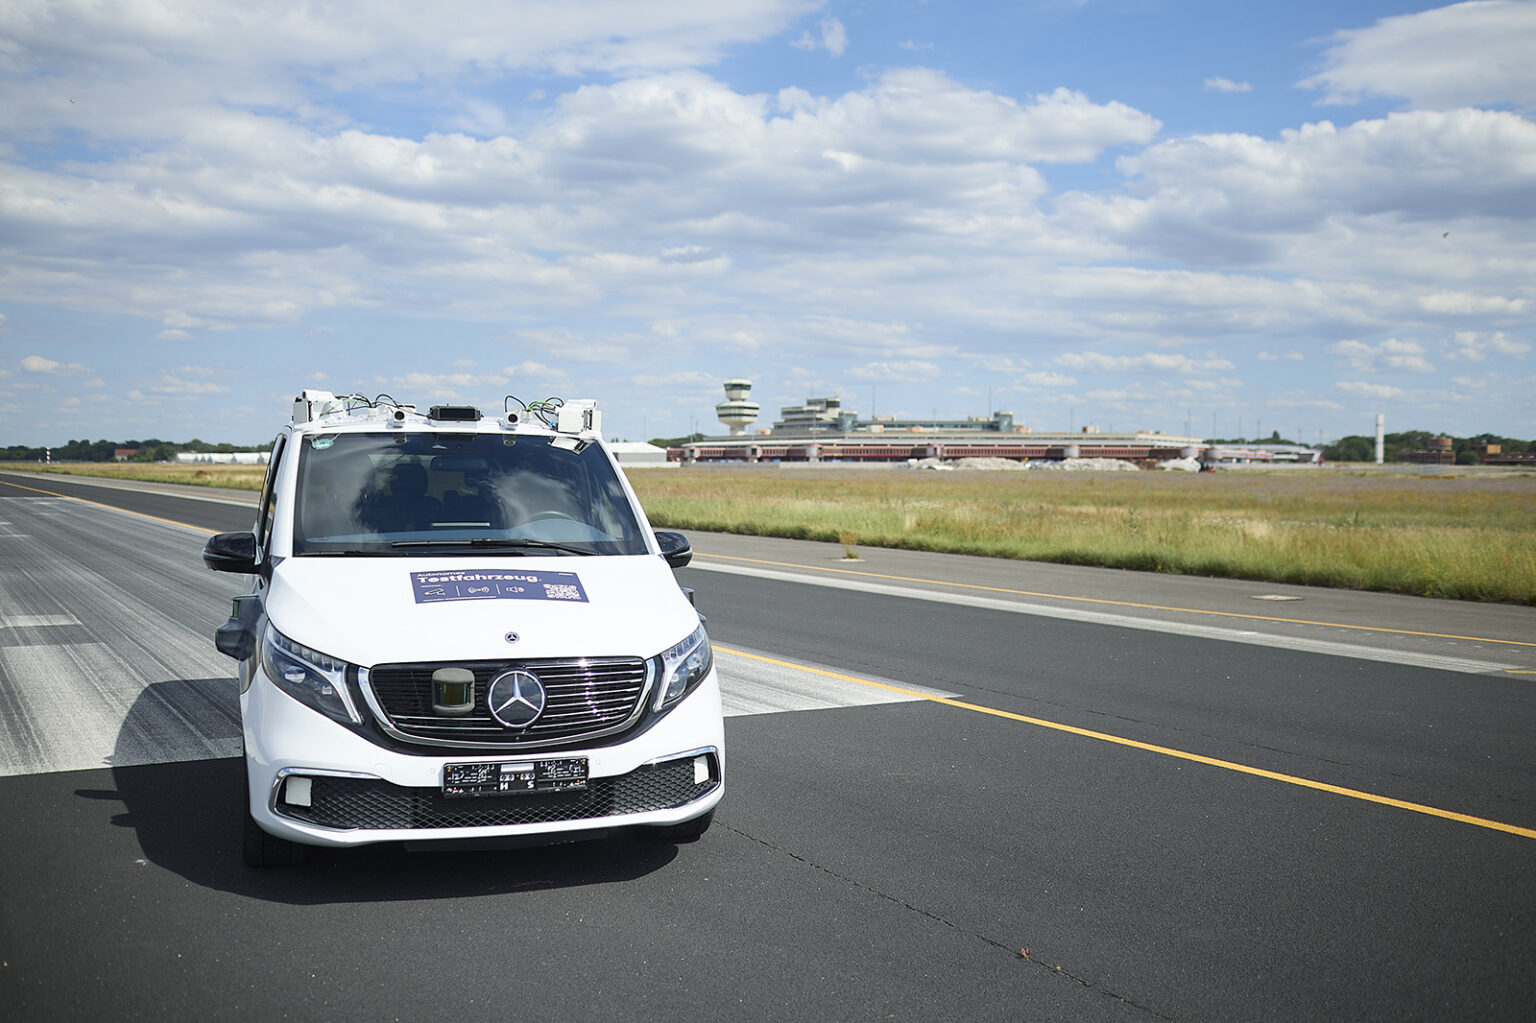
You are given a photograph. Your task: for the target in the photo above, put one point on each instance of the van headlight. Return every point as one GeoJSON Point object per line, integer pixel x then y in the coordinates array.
{"type": "Point", "coordinates": [314, 679]}
{"type": "Point", "coordinates": [683, 667]}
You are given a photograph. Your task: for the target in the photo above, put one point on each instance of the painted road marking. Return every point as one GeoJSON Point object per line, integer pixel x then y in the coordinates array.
{"type": "Point", "coordinates": [36, 621]}
{"type": "Point", "coordinates": [1326, 647]}
{"type": "Point", "coordinates": [765, 686]}
{"type": "Point", "coordinates": [1118, 603]}
{"type": "Point", "coordinates": [1226, 765]}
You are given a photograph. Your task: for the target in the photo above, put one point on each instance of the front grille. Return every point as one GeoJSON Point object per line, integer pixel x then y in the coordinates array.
{"type": "Point", "coordinates": [373, 804]}
{"type": "Point", "coordinates": [585, 697]}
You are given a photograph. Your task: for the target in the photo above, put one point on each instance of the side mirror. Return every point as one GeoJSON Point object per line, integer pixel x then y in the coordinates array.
{"type": "Point", "coordinates": [231, 552]}
{"type": "Point", "coordinates": [675, 548]}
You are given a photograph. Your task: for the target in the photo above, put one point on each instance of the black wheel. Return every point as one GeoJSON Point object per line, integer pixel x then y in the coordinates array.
{"type": "Point", "coordinates": [688, 831]}
{"type": "Point", "coordinates": [262, 850]}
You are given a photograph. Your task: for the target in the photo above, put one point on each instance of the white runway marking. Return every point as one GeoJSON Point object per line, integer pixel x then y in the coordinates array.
{"type": "Point", "coordinates": [36, 621]}
{"type": "Point", "coordinates": [1327, 647]}
{"type": "Point", "coordinates": [753, 687]}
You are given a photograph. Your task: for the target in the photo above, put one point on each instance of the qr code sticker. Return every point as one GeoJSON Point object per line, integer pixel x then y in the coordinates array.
{"type": "Point", "coordinates": [561, 591]}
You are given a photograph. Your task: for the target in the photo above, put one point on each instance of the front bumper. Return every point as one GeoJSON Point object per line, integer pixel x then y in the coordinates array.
{"type": "Point", "coordinates": [317, 783]}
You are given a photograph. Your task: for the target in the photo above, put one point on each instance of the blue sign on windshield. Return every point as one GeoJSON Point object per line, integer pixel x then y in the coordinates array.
{"type": "Point", "coordinates": [489, 584]}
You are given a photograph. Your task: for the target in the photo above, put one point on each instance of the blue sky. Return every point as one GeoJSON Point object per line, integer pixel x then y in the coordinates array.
{"type": "Point", "coordinates": [1135, 214]}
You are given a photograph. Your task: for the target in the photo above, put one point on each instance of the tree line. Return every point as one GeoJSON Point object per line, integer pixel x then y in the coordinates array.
{"type": "Point", "coordinates": [152, 450]}
{"type": "Point", "coordinates": [1356, 448]}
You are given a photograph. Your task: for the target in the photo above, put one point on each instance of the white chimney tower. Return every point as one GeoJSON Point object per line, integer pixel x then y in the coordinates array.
{"type": "Point", "coordinates": [1381, 438]}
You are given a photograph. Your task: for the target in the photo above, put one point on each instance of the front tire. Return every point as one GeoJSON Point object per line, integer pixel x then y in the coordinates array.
{"type": "Point", "coordinates": [688, 831]}
{"type": "Point", "coordinates": [261, 850]}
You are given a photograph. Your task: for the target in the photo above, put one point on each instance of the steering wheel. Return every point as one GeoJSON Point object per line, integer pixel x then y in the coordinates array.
{"type": "Point", "coordinates": [550, 515]}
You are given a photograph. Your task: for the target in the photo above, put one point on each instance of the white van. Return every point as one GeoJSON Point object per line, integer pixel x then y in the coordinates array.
{"type": "Point", "coordinates": [461, 628]}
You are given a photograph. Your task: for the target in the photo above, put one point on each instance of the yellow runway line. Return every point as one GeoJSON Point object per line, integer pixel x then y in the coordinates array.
{"type": "Point", "coordinates": [1226, 765]}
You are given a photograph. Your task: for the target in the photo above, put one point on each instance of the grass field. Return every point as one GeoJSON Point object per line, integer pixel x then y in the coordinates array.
{"type": "Point", "coordinates": [235, 477]}
{"type": "Point", "coordinates": [1469, 536]}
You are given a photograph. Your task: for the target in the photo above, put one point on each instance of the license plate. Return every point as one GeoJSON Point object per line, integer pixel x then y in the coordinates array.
{"type": "Point", "coordinates": [515, 777]}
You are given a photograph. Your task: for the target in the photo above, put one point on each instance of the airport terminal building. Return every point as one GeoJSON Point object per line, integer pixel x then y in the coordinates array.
{"type": "Point", "coordinates": [821, 430]}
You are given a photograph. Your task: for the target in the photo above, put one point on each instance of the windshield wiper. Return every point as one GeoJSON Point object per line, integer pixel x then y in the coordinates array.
{"type": "Point", "coordinates": [374, 553]}
{"type": "Point", "coordinates": [500, 543]}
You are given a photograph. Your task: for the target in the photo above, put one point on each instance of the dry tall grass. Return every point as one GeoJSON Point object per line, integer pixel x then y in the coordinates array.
{"type": "Point", "coordinates": [1469, 538]}
{"type": "Point", "coordinates": [234, 477]}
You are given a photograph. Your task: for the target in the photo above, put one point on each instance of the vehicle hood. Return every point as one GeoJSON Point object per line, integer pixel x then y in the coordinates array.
{"type": "Point", "coordinates": [385, 610]}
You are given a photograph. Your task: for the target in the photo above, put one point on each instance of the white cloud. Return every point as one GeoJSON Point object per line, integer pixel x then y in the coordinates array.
{"type": "Point", "coordinates": [1150, 362]}
{"type": "Point", "coordinates": [171, 385]}
{"type": "Point", "coordinates": [534, 371]}
{"type": "Point", "coordinates": [684, 378]}
{"type": "Point", "coordinates": [51, 367]}
{"type": "Point", "coordinates": [833, 38]}
{"type": "Point", "coordinates": [1467, 54]}
{"type": "Point", "coordinates": [351, 43]}
{"type": "Point", "coordinates": [1389, 355]}
{"type": "Point", "coordinates": [486, 388]}
{"type": "Point", "coordinates": [913, 371]}
{"type": "Point", "coordinates": [1381, 392]}
{"type": "Point", "coordinates": [1466, 303]}
{"type": "Point", "coordinates": [1047, 380]}
{"type": "Point", "coordinates": [1231, 194]}
{"type": "Point", "coordinates": [1226, 85]}
{"type": "Point", "coordinates": [1472, 346]}
{"type": "Point", "coordinates": [1288, 356]}
{"type": "Point", "coordinates": [253, 219]}
{"type": "Point", "coordinates": [1304, 402]}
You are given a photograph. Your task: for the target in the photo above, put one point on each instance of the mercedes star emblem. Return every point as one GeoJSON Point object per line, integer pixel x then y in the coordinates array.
{"type": "Point", "coordinates": [515, 698]}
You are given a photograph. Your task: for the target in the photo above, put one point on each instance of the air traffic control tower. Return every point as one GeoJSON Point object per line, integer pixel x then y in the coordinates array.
{"type": "Point", "coordinates": [737, 411]}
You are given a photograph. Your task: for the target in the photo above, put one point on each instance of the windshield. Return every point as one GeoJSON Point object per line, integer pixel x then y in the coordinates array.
{"type": "Point", "coordinates": [400, 493]}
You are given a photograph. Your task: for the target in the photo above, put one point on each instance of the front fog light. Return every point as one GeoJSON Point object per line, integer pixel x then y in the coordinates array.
{"type": "Point", "coordinates": [298, 791]}
{"type": "Point", "coordinates": [683, 666]}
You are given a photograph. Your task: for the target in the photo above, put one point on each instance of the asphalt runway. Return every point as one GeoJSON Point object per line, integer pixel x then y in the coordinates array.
{"type": "Point", "coordinates": [957, 789]}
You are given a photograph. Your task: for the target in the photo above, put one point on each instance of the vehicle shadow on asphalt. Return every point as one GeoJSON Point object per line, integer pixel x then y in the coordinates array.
{"type": "Point", "coordinates": [188, 819]}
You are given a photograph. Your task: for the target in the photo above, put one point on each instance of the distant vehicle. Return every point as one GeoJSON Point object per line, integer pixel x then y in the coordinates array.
{"type": "Point", "coordinates": [461, 627]}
